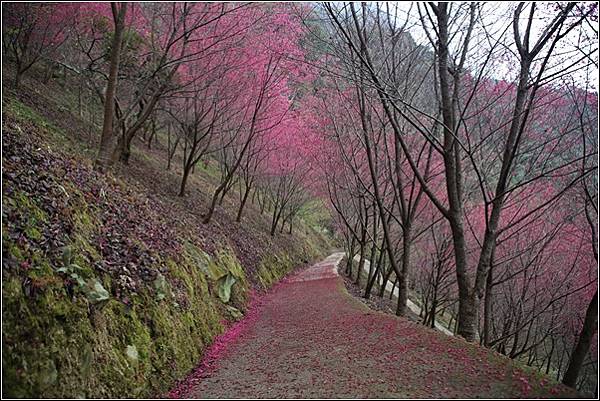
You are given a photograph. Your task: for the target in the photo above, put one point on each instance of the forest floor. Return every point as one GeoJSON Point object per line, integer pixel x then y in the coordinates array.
{"type": "Point", "coordinates": [309, 338]}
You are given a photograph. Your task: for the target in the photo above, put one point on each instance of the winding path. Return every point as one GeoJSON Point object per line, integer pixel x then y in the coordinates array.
{"type": "Point", "coordinates": [308, 338]}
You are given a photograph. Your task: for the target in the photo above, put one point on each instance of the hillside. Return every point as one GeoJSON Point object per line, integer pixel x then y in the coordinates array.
{"type": "Point", "coordinates": [112, 286]}
{"type": "Point", "coordinates": [203, 198]}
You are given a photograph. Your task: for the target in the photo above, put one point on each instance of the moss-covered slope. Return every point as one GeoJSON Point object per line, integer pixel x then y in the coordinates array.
{"type": "Point", "coordinates": [106, 291]}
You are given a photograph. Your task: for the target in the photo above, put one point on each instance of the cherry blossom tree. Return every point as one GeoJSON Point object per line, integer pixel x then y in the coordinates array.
{"type": "Point", "coordinates": [450, 133]}
{"type": "Point", "coordinates": [33, 32]}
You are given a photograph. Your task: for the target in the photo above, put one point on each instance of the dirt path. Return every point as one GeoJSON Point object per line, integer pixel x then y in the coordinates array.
{"type": "Point", "coordinates": [308, 338]}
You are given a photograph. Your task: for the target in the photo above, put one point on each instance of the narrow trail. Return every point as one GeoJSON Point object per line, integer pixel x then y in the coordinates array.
{"type": "Point", "coordinates": [308, 338]}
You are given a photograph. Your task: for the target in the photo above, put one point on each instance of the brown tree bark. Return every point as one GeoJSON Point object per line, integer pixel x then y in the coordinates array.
{"type": "Point", "coordinates": [583, 343]}
{"type": "Point", "coordinates": [104, 152]}
{"type": "Point", "coordinates": [243, 203]}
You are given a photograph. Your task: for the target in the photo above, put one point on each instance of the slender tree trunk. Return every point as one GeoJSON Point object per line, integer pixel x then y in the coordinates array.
{"type": "Point", "coordinates": [350, 256]}
{"type": "Point", "coordinates": [262, 202]}
{"type": "Point", "coordinates": [372, 270]}
{"type": "Point", "coordinates": [242, 204]}
{"type": "Point", "coordinates": [211, 209]}
{"type": "Point", "coordinates": [583, 343]}
{"type": "Point", "coordinates": [487, 309]}
{"type": "Point", "coordinates": [223, 196]}
{"type": "Point", "coordinates": [49, 71]}
{"type": "Point", "coordinates": [184, 178]}
{"type": "Point", "coordinates": [372, 278]}
{"type": "Point", "coordinates": [122, 151]}
{"type": "Point", "coordinates": [385, 276]}
{"type": "Point", "coordinates": [170, 147]}
{"type": "Point", "coordinates": [361, 261]}
{"type": "Point", "coordinates": [18, 75]}
{"type": "Point", "coordinates": [218, 192]}
{"type": "Point", "coordinates": [152, 131]}
{"type": "Point", "coordinates": [379, 202]}
{"type": "Point", "coordinates": [434, 304]}
{"type": "Point", "coordinates": [104, 153]}
{"type": "Point", "coordinates": [403, 281]}
{"type": "Point", "coordinates": [275, 221]}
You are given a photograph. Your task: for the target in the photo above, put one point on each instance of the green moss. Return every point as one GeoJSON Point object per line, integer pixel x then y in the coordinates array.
{"type": "Point", "coordinates": [272, 268]}
{"type": "Point", "coordinates": [57, 137]}
{"type": "Point", "coordinates": [40, 267]}
{"type": "Point", "coordinates": [29, 213]}
{"type": "Point", "coordinates": [182, 327]}
{"type": "Point", "coordinates": [84, 220]}
{"type": "Point", "coordinates": [33, 233]}
{"type": "Point", "coordinates": [84, 223]}
{"type": "Point", "coordinates": [13, 250]}
{"type": "Point", "coordinates": [22, 112]}
{"type": "Point", "coordinates": [41, 339]}
{"type": "Point", "coordinates": [227, 260]}
{"type": "Point", "coordinates": [58, 346]}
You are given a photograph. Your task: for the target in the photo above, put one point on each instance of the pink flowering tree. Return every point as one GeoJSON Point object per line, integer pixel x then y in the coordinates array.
{"type": "Point", "coordinates": [33, 32]}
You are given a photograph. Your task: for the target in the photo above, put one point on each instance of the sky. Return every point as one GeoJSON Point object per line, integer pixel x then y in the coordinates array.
{"type": "Point", "coordinates": [497, 17]}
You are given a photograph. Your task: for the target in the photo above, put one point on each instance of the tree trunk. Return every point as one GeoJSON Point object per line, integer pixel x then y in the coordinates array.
{"type": "Point", "coordinates": [487, 309]}
{"type": "Point", "coordinates": [262, 202]}
{"type": "Point", "coordinates": [18, 75]}
{"type": "Point", "coordinates": [350, 257]}
{"type": "Point", "coordinates": [211, 209]}
{"type": "Point", "coordinates": [275, 220]}
{"type": "Point", "coordinates": [242, 204]}
{"type": "Point", "coordinates": [171, 148]}
{"type": "Point", "coordinates": [403, 279]}
{"type": "Point", "coordinates": [361, 261]}
{"type": "Point", "coordinates": [468, 316]}
{"type": "Point", "coordinates": [152, 131]}
{"type": "Point", "coordinates": [372, 272]}
{"type": "Point", "coordinates": [372, 277]}
{"type": "Point", "coordinates": [222, 197]}
{"type": "Point", "coordinates": [385, 275]}
{"type": "Point", "coordinates": [104, 153]}
{"type": "Point", "coordinates": [122, 151]}
{"type": "Point", "coordinates": [467, 300]}
{"type": "Point", "coordinates": [215, 197]}
{"type": "Point", "coordinates": [434, 303]}
{"type": "Point", "coordinates": [370, 280]}
{"type": "Point", "coordinates": [184, 178]}
{"type": "Point", "coordinates": [583, 343]}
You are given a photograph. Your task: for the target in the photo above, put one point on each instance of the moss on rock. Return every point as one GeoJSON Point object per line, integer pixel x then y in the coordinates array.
{"type": "Point", "coordinates": [59, 344]}
{"type": "Point", "coordinates": [272, 268]}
